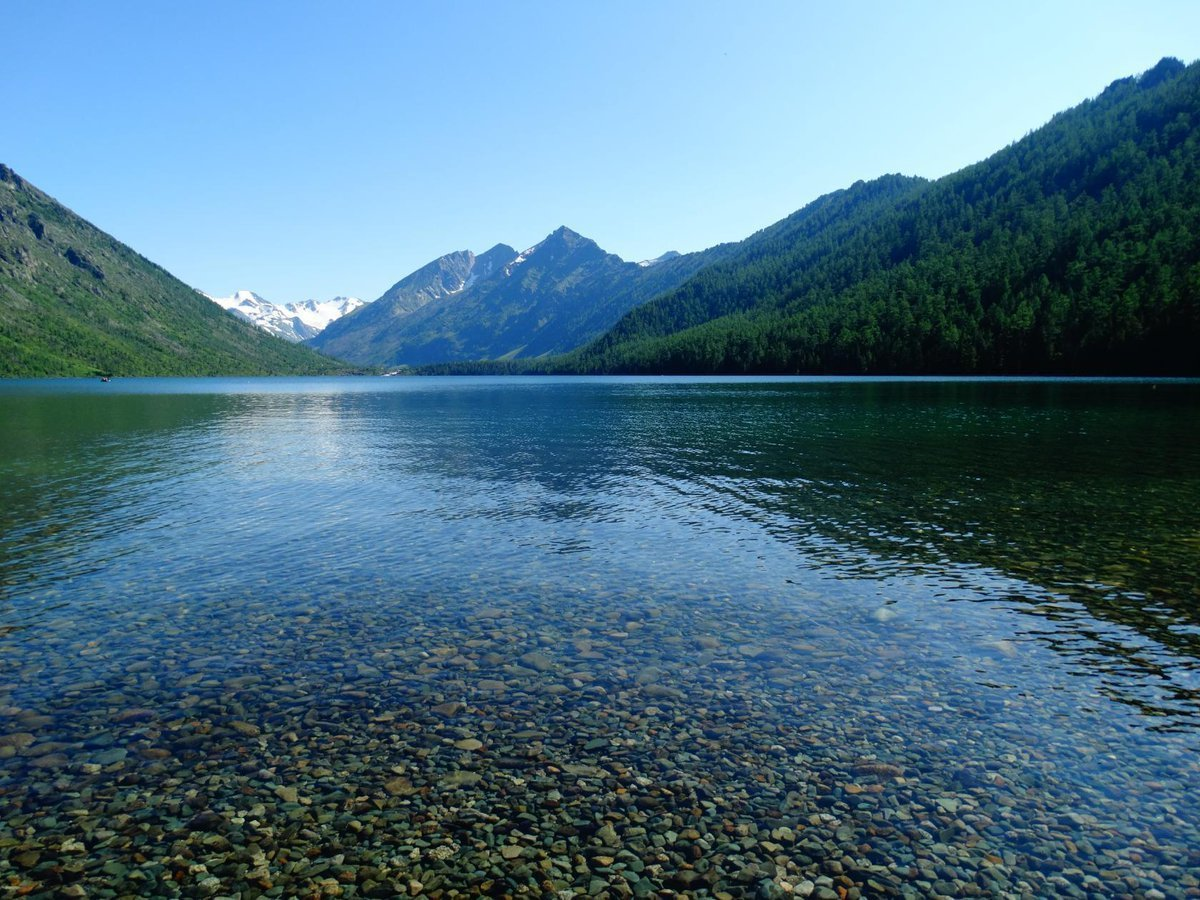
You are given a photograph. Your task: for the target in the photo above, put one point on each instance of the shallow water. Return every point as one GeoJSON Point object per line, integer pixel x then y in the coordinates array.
{"type": "Point", "coordinates": [607, 636]}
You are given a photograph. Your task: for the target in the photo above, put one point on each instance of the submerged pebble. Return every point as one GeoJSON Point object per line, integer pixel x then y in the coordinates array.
{"type": "Point", "coordinates": [657, 772]}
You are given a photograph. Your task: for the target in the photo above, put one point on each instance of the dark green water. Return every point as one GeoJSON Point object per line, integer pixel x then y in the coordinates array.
{"type": "Point", "coordinates": [600, 636]}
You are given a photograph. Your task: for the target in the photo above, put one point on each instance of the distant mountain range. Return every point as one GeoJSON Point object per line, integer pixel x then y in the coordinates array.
{"type": "Point", "coordinates": [75, 301]}
{"type": "Point", "coordinates": [1074, 250]}
{"type": "Point", "coordinates": [503, 304]}
{"type": "Point", "coordinates": [292, 321]}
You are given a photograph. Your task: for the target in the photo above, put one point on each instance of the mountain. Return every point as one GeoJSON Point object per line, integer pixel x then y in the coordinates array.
{"type": "Point", "coordinates": [373, 332]}
{"type": "Point", "coordinates": [502, 305]}
{"type": "Point", "coordinates": [75, 301]}
{"type": "Point", "coordinates": [252, 308]}
{"type": "Point", "coordinates": [444, 277]}
{"type": "Point", "coordinates": [293, 321]}
{"type": "Point", "coordinates": [318, 314]}
{"type": "Point", "coordinates": [1074, 250]}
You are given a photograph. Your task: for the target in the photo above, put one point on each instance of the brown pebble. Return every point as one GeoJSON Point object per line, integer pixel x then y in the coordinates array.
{"type": "Point", "coordinates": [399, 787]}
{"type": "Point", "coordinates": [133, 715]}
{"type": "Point", "coordinates": [50, 761]}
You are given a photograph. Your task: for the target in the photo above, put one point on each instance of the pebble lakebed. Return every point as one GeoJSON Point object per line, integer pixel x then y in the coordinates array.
{"type": "Point", "coordinates": [627, 748]}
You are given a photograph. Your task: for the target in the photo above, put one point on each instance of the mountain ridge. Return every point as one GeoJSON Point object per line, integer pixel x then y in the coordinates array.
{"type": "Point", "coordinates": [548, 298]}
{"type": "Point", "coordinates": [1074, 249]}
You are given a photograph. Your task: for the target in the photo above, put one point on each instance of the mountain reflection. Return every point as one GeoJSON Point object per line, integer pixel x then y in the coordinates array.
{"type": "Point", "coordinates": [1073, 503]}
{"type": "Point", "coordinates": [1083, 492]}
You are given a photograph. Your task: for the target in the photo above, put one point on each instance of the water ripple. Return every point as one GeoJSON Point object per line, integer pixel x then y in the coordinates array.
{"type": "Point", "coordinates": [940, 571]}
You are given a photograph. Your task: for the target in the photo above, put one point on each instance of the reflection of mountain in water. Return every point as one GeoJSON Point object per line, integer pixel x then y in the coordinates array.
{"type": "Point", "coordinates": [1073, 502]}
{"type": "Point", "coordinates": [1083, 495]}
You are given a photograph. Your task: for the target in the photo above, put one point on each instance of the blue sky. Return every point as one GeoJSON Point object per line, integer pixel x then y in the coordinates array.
{"type": "Point", "coordinates": [304, 149]}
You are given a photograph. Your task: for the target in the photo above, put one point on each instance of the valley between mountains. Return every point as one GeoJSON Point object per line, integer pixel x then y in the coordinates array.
{"type": "Point", "coordinates": [1074, 250]}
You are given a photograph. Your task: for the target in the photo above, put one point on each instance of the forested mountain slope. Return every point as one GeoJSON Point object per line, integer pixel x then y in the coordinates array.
{"type": "Point", "coordinates": [1074, 250]}
{"type": "Point", "coordinates": [75, 301]}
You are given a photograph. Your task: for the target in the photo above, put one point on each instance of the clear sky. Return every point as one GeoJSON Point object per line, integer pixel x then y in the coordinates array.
{"type": "Point", "coordinates": [308, 149]}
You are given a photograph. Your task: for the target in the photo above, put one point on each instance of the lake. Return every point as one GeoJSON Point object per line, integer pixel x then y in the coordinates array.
{"type": "Point", "coordinates": [609, 637]}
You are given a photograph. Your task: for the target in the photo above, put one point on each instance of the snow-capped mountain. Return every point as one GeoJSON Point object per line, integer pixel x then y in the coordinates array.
{"type": "Point", "coordinates": [319, 313]}
{"type": "Point", "coordinates": [293, 321]}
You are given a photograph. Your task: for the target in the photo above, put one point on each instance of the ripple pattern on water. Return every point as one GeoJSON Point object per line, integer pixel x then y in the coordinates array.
{"type": "Point", "coordinates": [587, 636]}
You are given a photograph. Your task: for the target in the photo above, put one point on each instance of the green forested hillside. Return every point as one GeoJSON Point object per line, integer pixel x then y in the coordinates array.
{"type": "Point", "coordinates": [1074, 250]}
{"type": "Point", "coordinates": [75, 301]}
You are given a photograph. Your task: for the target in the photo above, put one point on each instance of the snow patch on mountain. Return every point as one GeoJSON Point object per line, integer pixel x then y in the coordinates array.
{"type": "Point", "coordinates": [670, 254]}
{"type": "Point", "coordinates": [508, 270]}
{"type": "Point", "coordinates": [292, 321]}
